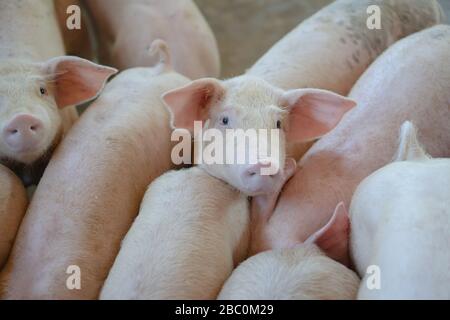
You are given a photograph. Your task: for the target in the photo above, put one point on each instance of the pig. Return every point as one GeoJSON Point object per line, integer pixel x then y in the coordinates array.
{"type": "Point", "coordinates": [400, 218]}
{"type": "Point", "coordinates": [13, 203]}
{"type": "Point", "coordinates": [240, 103]}
{"type": "Point", "coordinates": [303, 272]}
{"type": "Point", "coordinates": [186, 250]}
{"type": "Point", "coordinates": [77, 42]}
{"type": "Point", "coordinates": [332, 48]}
{"type": "Point", "coordinates": [91, 190]}
{"type": "Point", "coordinates": [249, 103]}
{"type": "Point", "coordinates": [408, 81]}
{"type": "Point", "coordinates": [125, 28]}
{"type": "Point", "coordinates": [38, 86]}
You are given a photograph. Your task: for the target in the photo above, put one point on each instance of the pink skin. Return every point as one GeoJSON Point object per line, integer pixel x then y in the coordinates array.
{"type": "Point", "coordinates": [332, 238]}
{"type": "Point", "coordinates": [127, 28]}
{"type": "Point", "coordinates": [23, 133]}
{"type": "Point", "coordinates": [366, 138]}
{"type": "Point", "coordinates": [91, 190]}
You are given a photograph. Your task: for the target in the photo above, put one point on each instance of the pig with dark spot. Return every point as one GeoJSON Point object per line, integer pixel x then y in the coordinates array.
{"type": "Point", "coordinates": [409, 81]}
{"type": "Point", "coordinates": [332, 48]}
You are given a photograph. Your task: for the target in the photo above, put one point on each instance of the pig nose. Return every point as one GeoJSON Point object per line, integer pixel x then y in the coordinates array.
{"type": "Point", "coordinates": [23, 132]}
{"type": "Point", "coordinates": [255, 169]}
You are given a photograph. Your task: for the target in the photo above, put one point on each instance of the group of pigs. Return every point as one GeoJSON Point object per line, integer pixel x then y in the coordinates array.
{"type": "Point", "coordinates": [347, 100]}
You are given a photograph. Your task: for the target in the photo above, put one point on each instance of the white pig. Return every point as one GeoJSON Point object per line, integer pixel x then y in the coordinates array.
{"type": "Point", "coordinates": [302, 272]}
{"type": "Point", "coordinates": [38, 86]}
{"type": "Point", "coordinates": [400, 219]}
{"type": "Point", "coordinates": [240, 103]}
{"type": "Point", "coordinates": [409, 81]}
{"type": "Point", "coordinates": [126, 28]}
{"type": "Point", "coordinates": [186, 240]}
{"type": "Point", "coordinates": [92, 187]}
{"type": "Point", "coordinates": [13, 203]}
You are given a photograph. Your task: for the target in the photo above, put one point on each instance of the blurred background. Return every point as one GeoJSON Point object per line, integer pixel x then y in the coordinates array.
{"type": "Point", "coordinates": [246, 29]}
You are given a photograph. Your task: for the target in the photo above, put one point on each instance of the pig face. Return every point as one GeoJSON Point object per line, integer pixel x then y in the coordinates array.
{"type": "Point", "coordinates": [251, 103]}
{"type": "Point", "coordinates": [31, 96]}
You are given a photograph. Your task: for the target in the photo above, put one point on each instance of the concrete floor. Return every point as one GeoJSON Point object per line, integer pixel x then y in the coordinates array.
{"type": "Point", "coordinates": [246, 29]}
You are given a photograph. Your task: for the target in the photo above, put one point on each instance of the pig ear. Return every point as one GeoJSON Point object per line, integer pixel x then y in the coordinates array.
{"type": "Point", "coordinates": [313, 112]}
{"type": "Point", "coordinates": [409, 148]}
{"type": "Point", "coordinates": [192, 102]}
{"type": "Point", "coordinates": [333, 238]}
{"type": "Point", "coordinates": [76, 80]}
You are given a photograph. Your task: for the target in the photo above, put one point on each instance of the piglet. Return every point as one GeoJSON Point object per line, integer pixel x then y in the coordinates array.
{"type": "Point", "coordinates": [13, 203]}
{"type": "Point", "coordinates": [409, 81]}
{"type": "Point", "coordinates": [193, 225]}
{"type": "Point", "coordinates": [91, 190]}
{"type": "Point", "coordinates": [125, 29]}
{"type": "Point", "coordinates": [400, 216]}
{"type": "Point", "coordinates": [304, 272]}
{"type": "Point", "coordinates": [38, 86]}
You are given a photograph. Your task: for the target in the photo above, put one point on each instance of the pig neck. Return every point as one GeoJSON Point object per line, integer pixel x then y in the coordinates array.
{"type": "Point", "coordinates": [29, 30]}
{"type": "Point", "coordinates": [327, 175]}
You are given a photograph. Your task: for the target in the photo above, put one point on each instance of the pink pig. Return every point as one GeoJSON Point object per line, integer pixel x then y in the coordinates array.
{"type": "Point", "coordinates": [418, 67]}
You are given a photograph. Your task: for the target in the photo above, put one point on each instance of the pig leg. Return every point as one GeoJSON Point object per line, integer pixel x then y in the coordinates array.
{"type": "Point", "coordinates": [263, 206]}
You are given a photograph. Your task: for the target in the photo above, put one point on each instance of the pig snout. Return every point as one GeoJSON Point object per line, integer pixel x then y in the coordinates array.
{"type": "Point", "coordinates": [259, 177]}
{"type": "Point", "coordinates": [23, 133]}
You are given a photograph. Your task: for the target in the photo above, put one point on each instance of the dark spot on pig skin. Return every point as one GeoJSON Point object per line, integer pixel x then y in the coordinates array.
{"type": "Point", "coordinates": [343, 40]}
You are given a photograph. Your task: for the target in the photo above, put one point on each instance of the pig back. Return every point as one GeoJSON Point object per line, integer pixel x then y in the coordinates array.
{"type": "Point", "coordinates": [127, 28]}
{"type": "Point", "coordinates": [331, 49]}
{"type": "Point", "coordinates": [185, 241]}
{"type": "Point", "coordinates": [410, 81]}
{"type": "Point", "coordinates": [92, 188]}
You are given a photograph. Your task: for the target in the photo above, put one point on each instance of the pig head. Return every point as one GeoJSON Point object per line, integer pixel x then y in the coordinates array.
{"type": "Point", "coordinates": [32, 96]}
{"type": "Point", "coordinates": [248, 103]}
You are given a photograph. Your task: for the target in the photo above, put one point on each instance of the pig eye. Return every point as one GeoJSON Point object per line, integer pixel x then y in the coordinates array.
{"type": "Point", "coordinates": [279, 124]}
{"type": "Point", "coordinates": [225, 121]}
{"type": "Point", "coordinates": [43, 91]}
